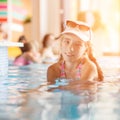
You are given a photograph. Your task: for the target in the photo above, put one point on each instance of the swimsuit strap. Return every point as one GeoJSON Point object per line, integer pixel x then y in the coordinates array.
{"type": "Point", "coordinates": [78, 75]}
{"type": "Point", "coordinates": [63, 74]}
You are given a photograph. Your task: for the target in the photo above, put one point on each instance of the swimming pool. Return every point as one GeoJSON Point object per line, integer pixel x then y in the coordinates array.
{"type": "Point", "coordinates": [19, 99]}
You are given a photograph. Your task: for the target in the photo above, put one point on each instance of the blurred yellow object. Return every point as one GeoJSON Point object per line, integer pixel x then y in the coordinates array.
{"type": "Point", "coordinates": [13, 52]}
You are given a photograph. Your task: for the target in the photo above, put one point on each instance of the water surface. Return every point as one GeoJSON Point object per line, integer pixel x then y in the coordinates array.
{"type": "Point", "coordinates": [22, 98]}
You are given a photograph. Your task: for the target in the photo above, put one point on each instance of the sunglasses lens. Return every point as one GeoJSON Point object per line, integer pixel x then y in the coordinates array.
{"type": "Point", "coordinates": [80, 26]}
{"type": "Point", "coordinates": [71, 24]}
{"type": "Point", "coordinates": [83, 27]}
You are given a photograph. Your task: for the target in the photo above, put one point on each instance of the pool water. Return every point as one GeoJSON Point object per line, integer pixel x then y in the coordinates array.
{"type": "Point", "coordinates": [25, 96]}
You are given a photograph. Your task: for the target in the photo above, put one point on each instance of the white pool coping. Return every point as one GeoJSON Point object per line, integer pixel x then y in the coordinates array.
{"type": "Point", "coordinates": [11, 44]}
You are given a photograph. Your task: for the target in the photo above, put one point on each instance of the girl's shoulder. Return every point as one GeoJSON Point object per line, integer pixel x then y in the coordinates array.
{"type": "Point", "coordinates": [54, 66]}
{"type": "Point", "coordinates": [89, 64]}
{"type": "Point", "coordinates": [55, 69]}
{"type": "Point", "coordinates": [53, 72]}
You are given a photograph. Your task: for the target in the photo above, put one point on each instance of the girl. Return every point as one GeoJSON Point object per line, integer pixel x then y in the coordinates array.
{"type": "Point", "coordinates": [77, 61]}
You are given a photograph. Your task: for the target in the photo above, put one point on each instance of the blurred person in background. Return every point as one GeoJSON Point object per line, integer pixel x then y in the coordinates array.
{"type": "Point", "coordinates": [22, 39]}
{"type": "Point", "coordinates": [28, 56]}
{"type": "Point", "coordinates": [0, 32]}
{"type": "Point", "coordinates": [3, 32]}
{"type": "Point", "coordinates": [47, 52]}
{"type": "Point", "coordinates": [5, 36]}
{"type": "Point", "coordinates": [16, 51]}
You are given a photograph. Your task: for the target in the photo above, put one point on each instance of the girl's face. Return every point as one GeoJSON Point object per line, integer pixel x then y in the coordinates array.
{"type": "Point", "coordinates": [72, 48]}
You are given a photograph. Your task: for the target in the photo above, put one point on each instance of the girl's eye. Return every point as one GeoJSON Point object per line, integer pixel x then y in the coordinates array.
{"type": "Point", "coordinates": [66, 41]}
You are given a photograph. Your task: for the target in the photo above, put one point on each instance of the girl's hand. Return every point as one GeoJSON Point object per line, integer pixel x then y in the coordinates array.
{"type": "Point", "coordinates": [79, 87]}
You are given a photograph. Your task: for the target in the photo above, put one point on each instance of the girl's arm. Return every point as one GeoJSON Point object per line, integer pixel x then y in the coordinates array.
{"type": "Point", "coordinates": [52, 73]}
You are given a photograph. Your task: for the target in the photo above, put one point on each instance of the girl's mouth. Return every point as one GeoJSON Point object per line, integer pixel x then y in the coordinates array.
{"type": "Point", "coordinates": [69, 54]}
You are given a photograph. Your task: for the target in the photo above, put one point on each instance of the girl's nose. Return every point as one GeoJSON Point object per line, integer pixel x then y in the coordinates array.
{"type": "Point", "coordinates": [71, 47]}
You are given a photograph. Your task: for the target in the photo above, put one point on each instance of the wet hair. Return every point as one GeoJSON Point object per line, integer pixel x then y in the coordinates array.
{"type": "Point", "coordinates": [22, 38]}
{"type": "Point", "coordinates": [46, 39]}
{"type": "Point", "coordinates": [27, 47]}
{"type": "Point", "coordinates": [93, 59]}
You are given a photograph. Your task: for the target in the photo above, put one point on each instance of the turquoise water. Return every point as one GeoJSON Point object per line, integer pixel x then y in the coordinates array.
{"type": "Point", "coordinates": [23, 98]}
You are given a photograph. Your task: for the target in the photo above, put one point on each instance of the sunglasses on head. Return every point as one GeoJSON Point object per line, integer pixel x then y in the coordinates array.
{"type": "Point", "coordinates": [81, 26]}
